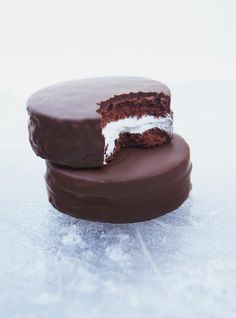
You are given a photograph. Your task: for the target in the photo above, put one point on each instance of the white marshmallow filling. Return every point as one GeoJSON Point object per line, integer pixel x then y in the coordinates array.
{"type": "Point", "coordinates": [133, 125]}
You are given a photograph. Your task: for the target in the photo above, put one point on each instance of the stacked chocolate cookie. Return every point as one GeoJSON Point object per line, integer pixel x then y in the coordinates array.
{"type": "Point", "coordinates": [110, 149]}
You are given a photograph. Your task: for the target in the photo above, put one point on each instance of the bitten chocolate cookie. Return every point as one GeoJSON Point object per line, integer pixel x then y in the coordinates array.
{"type": "Point", "coordinates": [84, 123]}
{"type": "Point", "coordinates": [140, 184]}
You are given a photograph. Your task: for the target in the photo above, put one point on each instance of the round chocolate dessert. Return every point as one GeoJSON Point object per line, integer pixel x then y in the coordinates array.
{"type": "Point", "coordinates": [84, 123]}
{"type": "Point", "coordinates": [140, 184]}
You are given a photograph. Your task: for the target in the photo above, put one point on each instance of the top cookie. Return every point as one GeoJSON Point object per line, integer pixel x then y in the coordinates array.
{"type": "Point", "coordinates": [84, 123]}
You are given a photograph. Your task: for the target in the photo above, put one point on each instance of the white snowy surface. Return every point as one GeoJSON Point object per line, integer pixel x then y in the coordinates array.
{"type": "Point", "coordinates": [180, 265]}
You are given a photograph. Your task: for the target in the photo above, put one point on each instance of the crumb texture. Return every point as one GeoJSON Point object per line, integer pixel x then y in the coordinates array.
{"type": "Point", "coordinates": [148, 139]}
{"type": "Point", "coordinates": [138, 105]}
{"type": "Point", "coordinates": [134, 104]}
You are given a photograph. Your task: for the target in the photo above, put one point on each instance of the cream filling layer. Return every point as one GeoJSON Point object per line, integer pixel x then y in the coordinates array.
{"type": "Point", "coordinates": [133, 125]}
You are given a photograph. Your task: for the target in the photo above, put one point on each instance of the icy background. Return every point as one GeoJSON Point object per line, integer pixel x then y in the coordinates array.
{"type": "Point", "coordinates": [180, 265]}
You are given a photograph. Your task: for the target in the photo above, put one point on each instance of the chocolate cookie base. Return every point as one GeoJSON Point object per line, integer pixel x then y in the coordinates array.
{"type": "Point", "coordinates": [141, 184]}
{"type": "Point", "coordinates": [150, 138]}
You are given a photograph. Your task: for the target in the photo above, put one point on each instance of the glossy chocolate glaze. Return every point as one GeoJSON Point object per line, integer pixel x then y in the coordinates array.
{"type": "Point", "coordinates": [139, 185]}
{"type": "Point", "coordinates": [64, 125]}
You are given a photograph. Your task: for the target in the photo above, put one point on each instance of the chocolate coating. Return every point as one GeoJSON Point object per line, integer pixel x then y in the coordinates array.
{"type": "Point", "coordinates": [64, 125]}
{"type": "Point", "coordinates": [139, 185]}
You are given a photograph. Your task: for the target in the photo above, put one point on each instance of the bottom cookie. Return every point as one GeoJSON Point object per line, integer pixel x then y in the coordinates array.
{"type": "Point", "coordinates": [139, 185]}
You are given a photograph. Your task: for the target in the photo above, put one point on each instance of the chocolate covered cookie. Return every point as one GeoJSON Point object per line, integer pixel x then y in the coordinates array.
{"type": "Point", "coordinates": [85, 123]}
{"type": "Point", "coordinates": [140, 184]}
